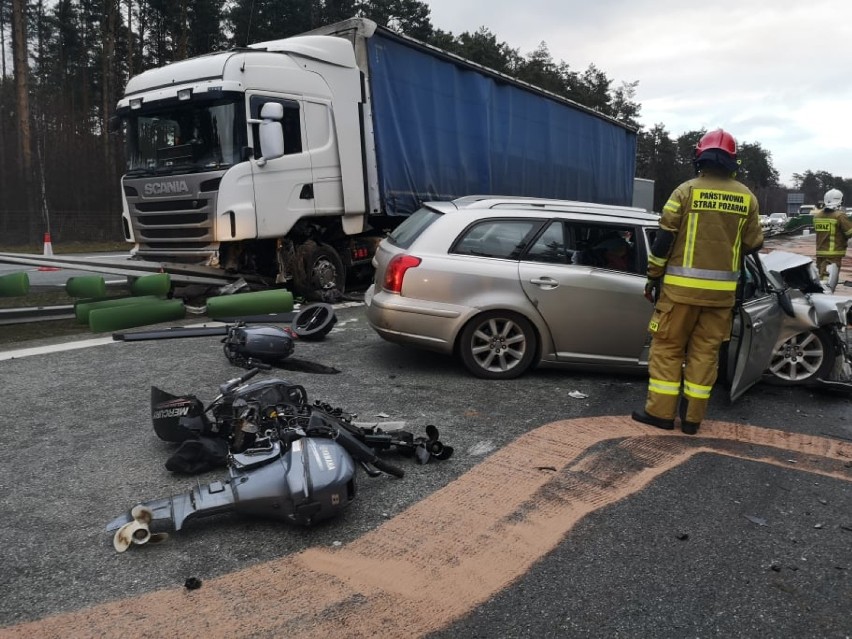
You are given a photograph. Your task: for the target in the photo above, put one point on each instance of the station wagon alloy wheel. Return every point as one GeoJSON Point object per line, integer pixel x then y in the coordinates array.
{"type": "Point", "coordinates": [498, 345]}
{"type": "Point", "coordinates": [802, 359]}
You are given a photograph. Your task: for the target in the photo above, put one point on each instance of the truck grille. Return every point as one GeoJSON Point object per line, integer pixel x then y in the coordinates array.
{"type": "Point", "coordinates": [172, 219]}
{"type": "Point", "coordinates": [174, 226]}
{"type": "Point", "coordinates": [153, 207]}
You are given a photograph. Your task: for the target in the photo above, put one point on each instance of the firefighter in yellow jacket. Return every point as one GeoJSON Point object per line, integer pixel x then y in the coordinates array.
{"type": "Point", "coordinates": [708, 224]}
{"type": "Point", "coordinates": [833, 230]}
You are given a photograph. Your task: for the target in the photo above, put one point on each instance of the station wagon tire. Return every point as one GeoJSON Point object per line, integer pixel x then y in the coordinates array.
{"type": "Point", "coordinates": [802, 359]}
{"type": "Point", "coordinates": [498, 345]}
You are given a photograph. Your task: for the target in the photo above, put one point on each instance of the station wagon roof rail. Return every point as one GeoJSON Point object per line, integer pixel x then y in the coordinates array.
{"type": "Point", "coordinates": [531, 203]}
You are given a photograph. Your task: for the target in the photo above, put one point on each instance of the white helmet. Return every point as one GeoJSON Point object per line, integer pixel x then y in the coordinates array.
{"type": "Point", "coordinates": [833, 199]}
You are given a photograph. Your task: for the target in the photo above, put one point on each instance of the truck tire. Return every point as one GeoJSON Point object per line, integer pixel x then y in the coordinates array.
{"type": "Point", "coordinates": [324, 274]}
{"type": "Point", "coordinates": [498, 345]}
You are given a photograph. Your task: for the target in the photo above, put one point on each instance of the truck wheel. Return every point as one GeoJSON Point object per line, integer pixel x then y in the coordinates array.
{"type": "Point", "coordinates": [325, 276]}
{"type": "Point", "coordinates": [498, 345]}
{"type": "Point", "coordinates": [802, 359]}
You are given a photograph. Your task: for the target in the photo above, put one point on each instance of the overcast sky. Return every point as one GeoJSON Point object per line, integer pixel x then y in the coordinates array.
{"type": "Point", "coordinates": [775, 72]}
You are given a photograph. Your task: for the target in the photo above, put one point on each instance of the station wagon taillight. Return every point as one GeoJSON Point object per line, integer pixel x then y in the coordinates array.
{"type": "Point", "coordinates": [395, 272]}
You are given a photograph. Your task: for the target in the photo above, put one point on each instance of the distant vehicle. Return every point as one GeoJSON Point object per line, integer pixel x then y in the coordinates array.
{"type": "Point", "coordinates": [777, 221]}
{"type": "Point", "coordinates": [806, 209]}
{"type": "Point", "coordinates": [506, 284]}
{"type": "Point", "coordinates": [764, 222]}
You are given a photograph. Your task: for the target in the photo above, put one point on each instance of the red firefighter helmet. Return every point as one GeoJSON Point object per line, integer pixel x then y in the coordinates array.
{"type": "Point", "coordinates": [717, 147]}
{"type": "Point", "coordinates": [718, 139]}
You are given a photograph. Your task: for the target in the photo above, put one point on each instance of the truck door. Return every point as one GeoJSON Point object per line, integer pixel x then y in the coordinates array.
{"type": "Point", "coordinates": [325, 158]}
{"type": "Point", "coordinates": [283, 187]}
{"type": "Point", "coordinates": [755, 331]}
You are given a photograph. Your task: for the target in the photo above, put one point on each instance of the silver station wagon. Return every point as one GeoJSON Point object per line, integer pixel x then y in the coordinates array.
{"type": "Point", "coordinates": [510, 283]}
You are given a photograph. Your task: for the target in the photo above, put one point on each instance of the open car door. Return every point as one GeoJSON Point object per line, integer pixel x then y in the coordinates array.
{"type": "Point", "coordinates": [757, 324]}
{"type": "Point", "coordinates": [756, 327]}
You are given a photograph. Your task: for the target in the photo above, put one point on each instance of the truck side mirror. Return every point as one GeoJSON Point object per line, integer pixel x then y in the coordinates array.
{"type": "Point", "coordinates": [271, 132]}
{"type": "Point", "coordinates": [114, 124]}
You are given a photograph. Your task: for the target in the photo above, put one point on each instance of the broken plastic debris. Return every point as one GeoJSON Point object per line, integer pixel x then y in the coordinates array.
{"type": "Point", "coordinates": [385, 426]}
{"type": "Point", "coordinates": [382, 415]}
{"type": "Point", "coordinates": [577, 395]}
{"type": "Point", "coordinates": [192, 583]}
{"type": "Point", "coordinates": [756, 520]}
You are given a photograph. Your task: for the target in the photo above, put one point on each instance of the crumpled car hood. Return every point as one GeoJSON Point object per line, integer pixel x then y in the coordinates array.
{"type": "Point", "coordinates": [779, 261]}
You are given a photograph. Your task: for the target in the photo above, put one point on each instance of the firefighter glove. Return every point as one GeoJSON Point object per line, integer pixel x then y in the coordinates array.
{"type": "Point", "coordinates": [652, 289]}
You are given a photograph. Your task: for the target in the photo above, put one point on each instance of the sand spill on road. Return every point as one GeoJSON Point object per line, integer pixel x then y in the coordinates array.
{"type": "Point", "coordinates": [449, 553]}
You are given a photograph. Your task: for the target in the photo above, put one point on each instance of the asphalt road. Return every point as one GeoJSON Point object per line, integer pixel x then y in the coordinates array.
{"type": "Point", "coordinates": [557, 516]}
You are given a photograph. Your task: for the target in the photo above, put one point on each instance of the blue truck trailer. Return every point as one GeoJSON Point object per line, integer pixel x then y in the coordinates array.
{"type": "Point", "coordinates": [290, 159]}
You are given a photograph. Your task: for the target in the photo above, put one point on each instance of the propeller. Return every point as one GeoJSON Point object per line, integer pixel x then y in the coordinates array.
{"type": "Point", "coordinates": [137, 532]}
{"type": "Point", "coordinates": [430, 446]}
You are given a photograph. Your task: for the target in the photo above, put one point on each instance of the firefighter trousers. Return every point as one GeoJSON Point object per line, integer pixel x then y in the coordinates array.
{"type": "Point", "coordinates": [684, 357]}
{"type": "Point", "coordinates": [823, 263]}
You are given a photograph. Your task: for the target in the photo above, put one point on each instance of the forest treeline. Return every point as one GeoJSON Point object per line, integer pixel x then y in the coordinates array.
{"type": "Point", "coordinates": [64, 64]}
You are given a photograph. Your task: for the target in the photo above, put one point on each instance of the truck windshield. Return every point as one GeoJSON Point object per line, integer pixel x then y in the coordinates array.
{"type": "Point", "coordinates": [185, 137]}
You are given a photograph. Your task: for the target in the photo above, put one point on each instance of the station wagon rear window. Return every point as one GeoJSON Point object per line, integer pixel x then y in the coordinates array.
{"type": "Point", "coordinates": [404, 235]}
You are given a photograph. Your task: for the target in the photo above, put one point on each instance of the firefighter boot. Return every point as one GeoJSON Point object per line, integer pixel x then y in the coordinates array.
{"type": "Point", "coordinates": [658, 422]}
{"type": "Point", "coordinates": [689, 428]}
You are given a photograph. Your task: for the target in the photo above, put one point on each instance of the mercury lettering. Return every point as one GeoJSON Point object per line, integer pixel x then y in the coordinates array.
{"type": "Point", "coordinates": [170, 412]}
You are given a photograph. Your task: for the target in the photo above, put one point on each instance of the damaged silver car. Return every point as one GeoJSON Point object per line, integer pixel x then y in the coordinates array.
{"type": "Point", "coordinates": [811, 345]}
{"type": "Point", "coordinates": [506, 284]}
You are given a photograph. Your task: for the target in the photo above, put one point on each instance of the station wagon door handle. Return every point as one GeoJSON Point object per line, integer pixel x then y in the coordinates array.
{"type": "Point", "coordinates": [545, 282]}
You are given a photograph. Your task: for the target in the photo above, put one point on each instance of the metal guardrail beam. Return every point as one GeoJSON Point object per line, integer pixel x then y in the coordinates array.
{"type": "Point", "coordinates": [179, 273]}
{"type": "Point", "coordinates": [36, 314]}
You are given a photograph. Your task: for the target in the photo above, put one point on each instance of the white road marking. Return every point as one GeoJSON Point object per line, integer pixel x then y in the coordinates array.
{"type": "Point", "coordinates": [56, 348]}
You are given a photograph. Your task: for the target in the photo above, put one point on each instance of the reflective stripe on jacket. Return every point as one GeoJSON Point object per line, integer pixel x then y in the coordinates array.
{"type": "Point", "coordinates": [714, 220]}
{"type": "Point", "coordinates": [832, 229]}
